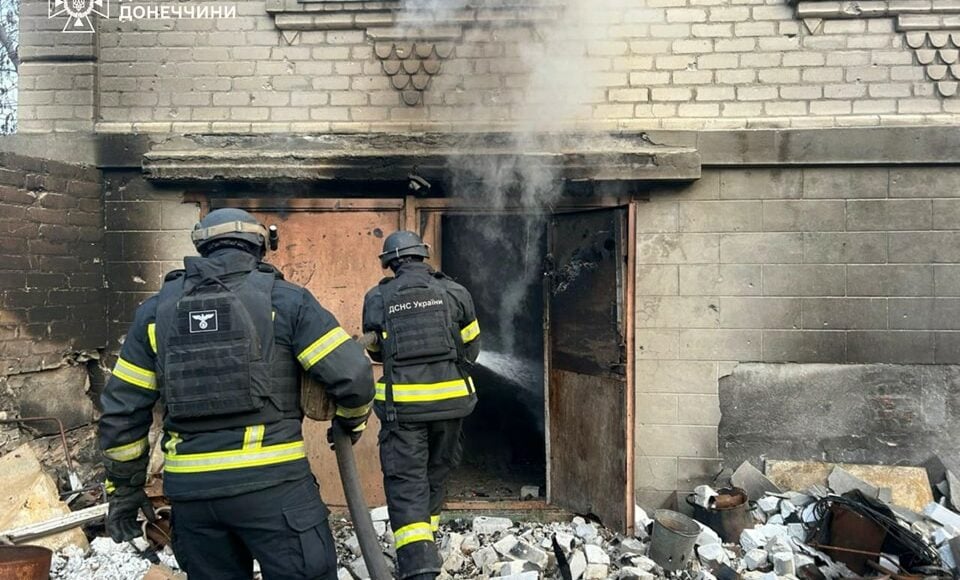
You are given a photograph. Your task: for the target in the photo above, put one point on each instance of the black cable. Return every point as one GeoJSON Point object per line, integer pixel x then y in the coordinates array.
{"type": "Point", "coordinates": [910, 540]}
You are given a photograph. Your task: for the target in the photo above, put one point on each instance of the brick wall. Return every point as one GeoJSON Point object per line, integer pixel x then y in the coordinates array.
{"type": "Point", "coordinates": [814, 265]}
{"type": "Point", "coordinates": [148, 234]}
{"type": "Point", "coordinates": [667, 63]}
{"type": "Point", "coordinates": [51, 268]}
{"type": "Point", "coordinates": [57, 75]}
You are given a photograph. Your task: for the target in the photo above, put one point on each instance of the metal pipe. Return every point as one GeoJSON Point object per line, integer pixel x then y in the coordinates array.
{"type": "Point", "coordinates": [63, 433]}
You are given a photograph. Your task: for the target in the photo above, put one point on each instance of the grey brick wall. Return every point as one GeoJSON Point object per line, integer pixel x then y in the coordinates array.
{"type": "Point", "coordinates": [148, 234]}
{"type": "Point", "coordinates": [805, 265]}
{"type": "Point", "coordinates": [662, 63]}
{"type": "Point", "coordinates": [52, 302]}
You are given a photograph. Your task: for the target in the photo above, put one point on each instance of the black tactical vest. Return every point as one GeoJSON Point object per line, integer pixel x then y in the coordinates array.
{"type": "Point", "coordinates": [418, 323]}
{"type": "Point", "coordinates": [218, 363]}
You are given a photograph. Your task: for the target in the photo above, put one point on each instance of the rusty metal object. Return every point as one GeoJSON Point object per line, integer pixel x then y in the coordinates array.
{"type": "Point", "coordinates": [25, 562]}
{"type": "Point", "coordinates": [587, 362]}
{"type": "Point", "coordinates": [63, 434]}
{"type": "Point", "coordinates": [854, 539]}
{"type": "Point", "coordinates": [728, 516]}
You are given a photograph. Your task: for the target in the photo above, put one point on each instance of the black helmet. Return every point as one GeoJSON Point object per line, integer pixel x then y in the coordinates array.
{"type": "Point", "coordinates": [403, 243]}
{"type": "Point", "coordinates": [229, 223]}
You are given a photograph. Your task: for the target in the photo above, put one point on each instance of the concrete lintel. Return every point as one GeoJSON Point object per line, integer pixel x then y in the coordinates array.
{"type": "Point", "coordinates": [829, 146]}
{"type": "Point", "coordinates": [383, 157]}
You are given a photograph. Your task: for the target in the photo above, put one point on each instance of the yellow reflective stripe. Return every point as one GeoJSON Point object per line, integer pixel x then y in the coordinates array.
{"type": "Point", "coordinates": [171, 444]}
{"type": "Point", "coordinates": [434, 523]}
{"type": "Point", "coordinates": [353, 412]}
{"type": "Point", "coordinates": [470, 332]}
{"type": "Point", "coordinates": [322, 347]}
{"type": "Point", "coordinates": [418, 532]}
{"type": "Point", "coordinates": [152, 336]}
{"type": "Point", "coordinates": [135, 375]}
{"type": "Point", "coordinates": [418, 393]}
{"type": "Point", "coordinates": [109, 486]}
{"type": "Point", "coordinates": [127, 452]}
{"type": "Point", "coordinates": [253, 437]}
{"type": "Point", "coordinates": [235, 459]}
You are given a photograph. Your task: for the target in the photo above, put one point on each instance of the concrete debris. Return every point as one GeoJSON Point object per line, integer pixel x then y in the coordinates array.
{"type": "Point", "coordinates": [380, 514]}
{"type": "Point", "coordinates": [107, 560]}
{"type": "Point", "coordinates": [755, 558]}
{"type": "Point", "coordinates": [528, 492]}
{"type": "Point", "coordinates": [489, 525]}
{"type": "Point", "coordinates": [783, 563]}
{"type": "Point", "coordinates": [29, 496]}
{"type": "Point", "coordinates": [753, 481]}
{"type": "Point", "coordinates": [773, 548]}
{"type": "Point", "coordinates": [941, 515]}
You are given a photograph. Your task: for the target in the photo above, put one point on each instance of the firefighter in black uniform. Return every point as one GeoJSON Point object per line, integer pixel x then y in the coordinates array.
{"type": "Point", "coordinates": [221, 346]}
{"type": "Point", "coordinates": [428, 336]}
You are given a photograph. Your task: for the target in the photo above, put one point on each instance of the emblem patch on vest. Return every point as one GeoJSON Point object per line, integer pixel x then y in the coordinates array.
{"type": "Point", "coordinates": [203, 321]}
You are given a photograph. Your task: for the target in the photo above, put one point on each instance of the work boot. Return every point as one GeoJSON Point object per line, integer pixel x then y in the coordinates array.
{"type": "Point", "coordinates": [429, 576]}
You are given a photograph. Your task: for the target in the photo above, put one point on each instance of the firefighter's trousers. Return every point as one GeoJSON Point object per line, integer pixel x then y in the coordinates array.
{"type": "Point", "coordinates": [416, 459]}
{"type": "Point", "coordinates": [283, 527]}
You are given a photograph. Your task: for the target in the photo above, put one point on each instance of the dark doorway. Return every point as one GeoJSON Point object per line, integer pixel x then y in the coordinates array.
{"type": "Point", "coordinates": [499, 258]}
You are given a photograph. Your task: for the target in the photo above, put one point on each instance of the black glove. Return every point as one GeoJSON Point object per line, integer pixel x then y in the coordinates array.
{"type": "Point", "coordinates": [125, 502]}
{"type": "Point", "coordinates": [353, 426]}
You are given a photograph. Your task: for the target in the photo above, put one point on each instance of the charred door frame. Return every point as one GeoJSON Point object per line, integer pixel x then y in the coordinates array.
{"type": "Point", "coordinates": [424, 215]}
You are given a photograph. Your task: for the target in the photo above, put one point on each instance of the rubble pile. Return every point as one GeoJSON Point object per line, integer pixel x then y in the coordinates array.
{"type": "Point", "coordinates": [106, 560]}
{"type": "Point", "coordinates": [817, 534]}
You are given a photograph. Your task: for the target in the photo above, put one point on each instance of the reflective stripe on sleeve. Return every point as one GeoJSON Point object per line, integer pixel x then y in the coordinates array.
{"type": "Point", "coordinates": [426, 392]}
{"type": "Point", "coordinates": [322, 347]}
{"type": "Point", "coordinates": [135, 375]}
{"type": "Point", "coordinates": [418, 532]}
{"type": "Point", "coordinates": [470, 332]}
{"type": "Point", "coordinates": [434, 523]}
{"type": "Point", "coordinates": [234, 459]}
{"type": "Point", "coordinates": [152, 336]}
{"type": "Point", "coordinates": [353, 412]}
{"type": "Point", "coordinates": [127, 452]}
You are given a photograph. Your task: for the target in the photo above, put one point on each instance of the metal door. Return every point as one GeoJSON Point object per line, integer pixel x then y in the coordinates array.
{"type": "Point", "coordinates": [589, 360]}
{"type": "Point", "coordinates": [334, 255]}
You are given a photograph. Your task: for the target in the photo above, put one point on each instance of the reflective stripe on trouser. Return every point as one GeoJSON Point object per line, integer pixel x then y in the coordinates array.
{"type": "Point", "coordinates": [416, 460]}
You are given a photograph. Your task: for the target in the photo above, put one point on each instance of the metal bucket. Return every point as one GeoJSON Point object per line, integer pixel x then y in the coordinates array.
{"type": "Point", "coordinates": [671, 544]}
{"type": "Point", "coordinates": [24, 563]}
{"type": "Point", "coordinates": [729, 516]}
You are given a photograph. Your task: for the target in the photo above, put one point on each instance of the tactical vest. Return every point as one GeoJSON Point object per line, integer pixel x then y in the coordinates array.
{"type": "Point", "coordinates": [218, 363]}
{"type": "Point", "coordinates": [418, 326]}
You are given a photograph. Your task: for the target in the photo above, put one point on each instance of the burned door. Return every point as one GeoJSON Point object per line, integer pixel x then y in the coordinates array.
{"type": "Point", "coordinates": [334, 255]}
{"type": "Point", "coordinates": [589, 365]}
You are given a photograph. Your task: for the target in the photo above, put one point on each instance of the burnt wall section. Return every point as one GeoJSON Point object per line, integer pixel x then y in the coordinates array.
{"type": "Point", "coordinates": [51, 243]}
{"type": "Point", "coordinates": [844, 265]}
{"type": "Point", "coordinates": [148, 234]}
{"type": "Point", "coordinates": [875, 413]}
{"type": "Point", "coordinates": [52, 299]}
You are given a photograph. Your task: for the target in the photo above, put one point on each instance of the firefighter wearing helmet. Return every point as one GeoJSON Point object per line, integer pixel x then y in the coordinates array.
{"type": "Point", "coordinates": [428, 337]}
{"type": "Point", "coordinates": [221, 346]}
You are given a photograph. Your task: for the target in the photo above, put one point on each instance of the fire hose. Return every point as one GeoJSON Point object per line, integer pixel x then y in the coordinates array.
{"type": "Point", "coordinates": [317, 406]}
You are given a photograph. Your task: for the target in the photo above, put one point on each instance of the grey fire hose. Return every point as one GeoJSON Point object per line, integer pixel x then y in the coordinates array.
{"type": "Point", "coordinates": [359, 513]}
